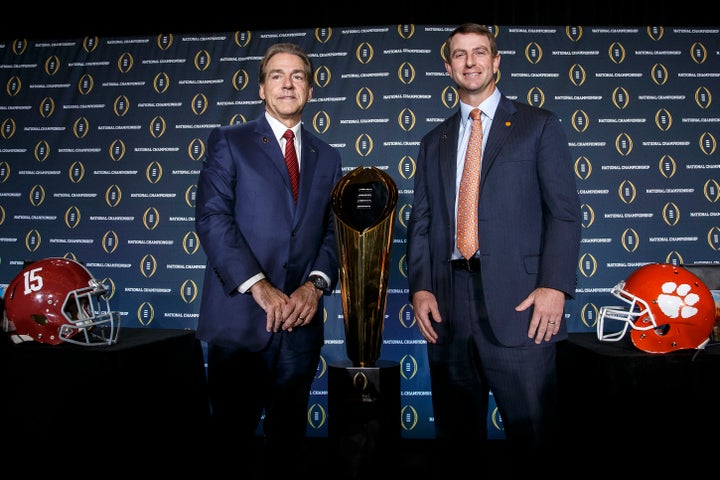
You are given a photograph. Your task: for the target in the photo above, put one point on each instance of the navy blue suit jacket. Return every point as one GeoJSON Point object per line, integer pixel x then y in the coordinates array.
{"type": "Point", "coordinates": [247, 223]}
{"type": "Point", "coordinates": [529, 217]}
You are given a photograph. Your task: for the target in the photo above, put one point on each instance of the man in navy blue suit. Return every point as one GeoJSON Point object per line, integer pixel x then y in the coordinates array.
{"type": "Point", "coordinates": [492, 321]}
{"type": "Point", "coordinates": [270, 260]}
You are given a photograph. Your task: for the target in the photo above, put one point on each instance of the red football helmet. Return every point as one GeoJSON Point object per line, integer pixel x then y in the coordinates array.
{"type": "Point", "coordinates": [57, 300]}
{"type": "Point", "coordinates": [670, 309]}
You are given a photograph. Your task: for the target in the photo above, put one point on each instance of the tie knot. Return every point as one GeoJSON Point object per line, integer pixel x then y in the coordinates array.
{"type": "Point", "coordinates": [475, 113]}
{"type": "Point", "coordinates": [288, 134]}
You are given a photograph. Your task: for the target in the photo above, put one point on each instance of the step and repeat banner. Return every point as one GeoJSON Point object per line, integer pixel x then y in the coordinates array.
{"type": "Point", "coordinates": [102, 139]}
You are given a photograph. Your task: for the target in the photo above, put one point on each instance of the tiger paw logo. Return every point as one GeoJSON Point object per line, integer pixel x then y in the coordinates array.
{"type": "Point", "coordinates": [678, 300]}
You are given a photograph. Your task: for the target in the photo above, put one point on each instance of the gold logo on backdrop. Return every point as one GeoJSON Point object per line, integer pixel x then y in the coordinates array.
{"type": "Point", "coordinates": [161, 82]}
{"type": "Point", "coordinates": [13, 85]}
{"type": "Point", "coordinates": [674, 258]}
{"type": "Point", "coordinates": [81, 127]}
{"type": "Point", "coordinates": [191, 195]}
{"type": "Point", "coordinates": [85, 84]}
{"type": "Point", "coordinates": [37, 195]}
{"type": "Point", "coordinates": [316, 416]}
{"type": "Point", "coordinates": [698, 53]}
{"type": "Point", "coordinates": [406, 167]}
{"type": "Point", "coordinates": [406, 73]}
{"type": "Point", "coordinates": [196, 149]}
{"type": "Point", "coordinates": [322, 76]}
{"type": "Point", "coordinates": [19, 46]}
{"type": "Point", "coordinates": [580, 121]}
{"type": "Point", "coordinates": [236, 119]}
{"type": "Point", "coordinates": [52, 65]}
{"type": "Point", "coordinates": [587, 214]}
{"type": "Point", "coordinates": [409, 417]}
{"type": "Point", "coordinates": [151, 218]}
{"type": "Point", "coordinates": [33, 240]}
{"type": "Point", "coordinates": [627, 192]}
{"type": "Point", "coordinates": [4, 171]}
{"type": "Point", "coordinates": [533, 53]}
{"type": "Point", "coordinates": [703, 98]}
{"type": "Point", "coordinates": [8, 128]}
{"type": "Point", "coordinates": [148, 266]}
{"type": "Point", "coordinates": [157, 127]}
{"type": "Point", "coordinates": [47, 107]}
{"type": "Point", "coordinates": [587, 265]}
{"type": "Point", "coordinates": [406, 316]}
{"type": "Point", "coordinates": [242, 38]}
{"type": "Point", "coordinates": [623, 144]}
{"type": "Point", "coordinates": [76, 172]}
{"type": "Point", "coordinates": [713, 238]}
{"type": "Point", "coordinates": [240, 80]}
{"type": "Point", "coordinates": [535, 97]}
{"type": "Point", "coordinates": [117, 150]}
{"type": "Point", "coordinates": [89, 44]}
{"type": "Point", "coordinates": [145, 313]}
{"type": "Point", "coordinates": [190, 243]}
{"type": "Point", "coordinates": [107, 281]}
{"type": "Point", "coordinates": [110, 241]}
{"type": "Point", "coordinates": [708, 144]}
{"type": "Point", "coordinates": [577, 75]}
{"type": "Point", "coordinates": [153, 172]}
{"type": "Point", "coordinates": [630, 240]}
{"type": "Point", "coordinates": [2, 215]}
{"type": "Point", "coordinates": [364, 145]}
{"type": "Point", "coordinates": [202, 60]}
{"type": "Point", "coordinates": [659, 74]}
{"type": "Point", "coordinates": [449, 97]}
{"type": "Point", "coordinates": [199, 104]}
{"type": "Point", "coordinates": [409, 367]}
{"type": "Point", "coordinates": [113, 195]}
{"type": "Point", "coordinates": [655, 33]}
{"type": "Point", "coordinates": [406, 119]}
{"type": "Point", "coordinates": [671, 214]}
{"type": "Point", "coordinates": [41, 152]}
{"type": "Point", "coordinates": [164, 41]}
{"type": "Point", "coordinates": [72, 216]}
{"type": "Point", "coordinates": [496, 419]}
{"type": "Point", "coordinates": [663, 120]}
{"type": "Point", "coordinates": [321, 367]}
{"type": "Point", "coordinates": [667, 166]}
{"type": "Point", "coordinates": [121, 106]}
{"type": "Point", "coordinates": [574, 33]}
{"type": "Point", "coordinates": [402, 265]}
{"type": "Point", "coordinates": [620, 98]}
{"type": "Point", "coordinates": [617, 53]}
{"type": "Point", "coordinates": [125, 62]}
{"type": "Point", "coordinates": [323, 34]}
{"type": "Point", "coordinates": [589, 314]}
{"type": "Point", "coordinates": [364, 98]}
{"type": "Point", "coordinates": [321, 121]}
{"type": "Point", "coordinates": [188, 291]}
{"type": "Point", "coordinates": [711, 190]}
{"type": "Point", "coordinates": [364, 53]}
{"type": "Point", "coordinates": [583, 168]}
{"type": "Point", "coordinates": [404, 214]}
{"type": "Point", "coordinates": [406, 31]}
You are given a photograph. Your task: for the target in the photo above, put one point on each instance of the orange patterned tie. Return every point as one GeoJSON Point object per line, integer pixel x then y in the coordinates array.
{"type": "Point", "coordinates": [467, 239]}
{"type": "Point", "coordinates": [291, 161]}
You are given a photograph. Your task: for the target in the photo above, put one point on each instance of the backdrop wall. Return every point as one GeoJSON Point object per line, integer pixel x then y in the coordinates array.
{"type": "Point", "coordinates": [101, 142]}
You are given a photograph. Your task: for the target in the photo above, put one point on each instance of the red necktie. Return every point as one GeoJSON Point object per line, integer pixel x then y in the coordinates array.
{"type": "Point", "coordinates": [467, 239]}
{"type": "Point", "coordinates": [291, 161]}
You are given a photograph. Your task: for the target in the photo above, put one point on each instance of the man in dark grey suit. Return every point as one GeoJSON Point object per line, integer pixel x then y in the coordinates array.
{"type": "Point", "coordinates": [492, 321]}
{"type": "Point", "coordinates": [270, 260]}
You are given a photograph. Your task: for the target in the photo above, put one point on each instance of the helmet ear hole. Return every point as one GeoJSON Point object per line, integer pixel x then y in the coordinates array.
{"type": "Point", "coordinates": [662, 329]}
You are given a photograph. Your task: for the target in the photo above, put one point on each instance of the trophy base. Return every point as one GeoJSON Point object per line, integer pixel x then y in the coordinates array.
{"type": "Point", "coordinates": [363, 417]}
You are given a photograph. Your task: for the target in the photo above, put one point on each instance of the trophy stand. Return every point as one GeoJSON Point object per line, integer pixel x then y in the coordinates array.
{"type": "Point", "coordinates": [364, 392]}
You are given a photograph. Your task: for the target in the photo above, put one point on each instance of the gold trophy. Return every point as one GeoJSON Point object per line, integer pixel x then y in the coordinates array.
{"type": "Point", "coordinates": [364, 203]}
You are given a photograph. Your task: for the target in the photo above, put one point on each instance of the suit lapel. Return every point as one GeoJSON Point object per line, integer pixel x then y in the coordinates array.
{"type": "Point", "coordinates": [501, 127]}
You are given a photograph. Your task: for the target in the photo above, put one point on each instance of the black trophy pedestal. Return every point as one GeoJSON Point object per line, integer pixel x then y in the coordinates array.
{"type": "Point", "coordinates": [363, 417]}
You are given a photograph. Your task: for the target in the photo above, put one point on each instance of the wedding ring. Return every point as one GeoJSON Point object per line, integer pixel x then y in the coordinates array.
{"type": "Point", "coordinates": [551, 323]}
